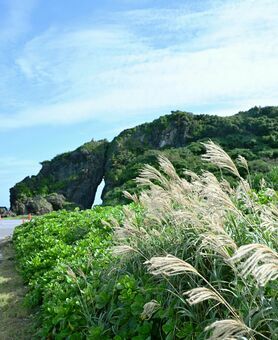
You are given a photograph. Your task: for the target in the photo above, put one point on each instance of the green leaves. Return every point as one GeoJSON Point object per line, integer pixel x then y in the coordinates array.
{"type": "Point", "coordinates": [47, 247]}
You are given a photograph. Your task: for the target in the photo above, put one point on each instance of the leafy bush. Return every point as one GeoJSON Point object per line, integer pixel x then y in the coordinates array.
{"type": "Point", "coordinates": [48, 248]}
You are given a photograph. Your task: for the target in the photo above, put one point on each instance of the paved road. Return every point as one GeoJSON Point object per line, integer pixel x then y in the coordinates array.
{"type": "Point", "coordinates": [7, 227]}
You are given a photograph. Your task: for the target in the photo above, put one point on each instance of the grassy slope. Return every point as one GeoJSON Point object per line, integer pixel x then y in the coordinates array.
{"type": "Point", "coordinates": [14, 317]}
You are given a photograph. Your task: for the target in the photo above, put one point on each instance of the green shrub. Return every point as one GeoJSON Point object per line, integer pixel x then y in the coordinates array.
{"type": "Point", "coordinates": [48, 247]}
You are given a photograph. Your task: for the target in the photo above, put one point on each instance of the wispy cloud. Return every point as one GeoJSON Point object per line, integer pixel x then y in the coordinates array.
{"type": "Point", "coordinates": [224, 55]}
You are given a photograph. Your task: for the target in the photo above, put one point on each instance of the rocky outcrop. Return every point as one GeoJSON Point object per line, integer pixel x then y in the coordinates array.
{"type": "Point", "coordinates": [32, 205]}
{"type": "Point", "coordinates": [4, 212]}
{"type": "Point", "coordinates": [41, 204]}
{"type": "Point", "coordinates": [71, 179]}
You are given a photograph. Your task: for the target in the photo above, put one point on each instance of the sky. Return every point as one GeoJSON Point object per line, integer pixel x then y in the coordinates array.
{"type": "Point", "coordinates": [75, 70]}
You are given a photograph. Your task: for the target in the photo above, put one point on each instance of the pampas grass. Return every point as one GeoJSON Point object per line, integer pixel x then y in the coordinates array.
{"type": "Point", "coordinates": [200, 294]}
{"type": "Point", "coordinates": [269, 218]}
{"type": "Point", "coordinates": [217, 156]}
{"type": "Point", "coordinates": [243, 162]}
{"type": "Point", "coordinates": [221, 240]}
{"type": "Point", "coordinates": [121, 250]}
{"type": "Point", "coordinates": [228, 330]}
{"type": "Point", "coordinates": [169, 265]}
{"type": "Point", "coordinates": [257, 260]}
{"type": "Point", "coordinates": [220, 243]}
{"type": "Point", "coordinates": [149, 309]}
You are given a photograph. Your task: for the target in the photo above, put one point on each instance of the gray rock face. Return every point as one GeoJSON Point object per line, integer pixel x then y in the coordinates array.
{"type": "Point", "coordinates": [37, 205]}
{"type": "Point", "coordinates": [57, 201]}
{"type": "Point", "coordinates": [4, 212]}
{"type": "Point", "coordinates": [67, 181]}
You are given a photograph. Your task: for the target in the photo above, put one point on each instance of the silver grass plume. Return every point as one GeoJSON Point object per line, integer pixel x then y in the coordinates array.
{"type": "Point", "coordinates": [226, 187]}
{"type": "Point", "coordinates": [149, 309]}
{"type": "Point", "coordinates": [131, 197]}
{"type": "Point", "coordinates": [122, 233]}
{"type": "Point", "coordinates": [219, 242]}
{"type": "Point", "coordinates": [270, 193]}
{"type": "Point", "coordinates": [269, 218]}
{"type": "Point", "coordinates": [217, 156]}
{"type": "Point", "coordinates": [217, 198]}
{"type": "Point", "coordinates": [191, 174]}
{"type": "Point", "coordinates": [167, 167]}
{"type": "Point", "coordinates": [71, 274]}
{"type": "Point", "coordinates": [262, 183]}
{"type": "Point", "coordinates": [112, 223]}
{"type": "Point", "coordinates": [169, 265]}
{"type": "Point", "coordinates": [149, 174]}
{"type": "Point", "coordinates": [157, 204]}
{"type": "Point", "coordinates": [228, 329]}
{"type": "Point", "coordinates": [200, 294]}
{"type": "Point", "coordinates": [245, 194]}
{"type": "Point", "coordinates": [129, 227]}
{"type": "Point", "coordinates": [243, 162]}
{"type": "Point", "coordinates": [258, 260]}
{"type": "Point", "coordinates": [121, 250]}
{"type": "Point", "coordinates": [129, 230]}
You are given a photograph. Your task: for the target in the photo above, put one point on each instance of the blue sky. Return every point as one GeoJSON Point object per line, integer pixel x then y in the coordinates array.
{"type": "Point", "coordinates": [75, 70]}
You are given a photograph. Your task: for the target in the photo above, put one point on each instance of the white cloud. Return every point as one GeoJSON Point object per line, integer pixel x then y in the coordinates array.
{"type": "Point", "coordinates": [225, 56]}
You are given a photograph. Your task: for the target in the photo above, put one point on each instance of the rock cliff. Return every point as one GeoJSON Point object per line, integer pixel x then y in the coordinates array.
{"type": "Point", "coordinates": [71, 179]}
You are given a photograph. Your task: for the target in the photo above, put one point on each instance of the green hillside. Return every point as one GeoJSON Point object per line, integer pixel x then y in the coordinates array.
{"type": "Point", "coordinates": [71, 179]}
{"type": "Point", "coordinates": [252, 134]}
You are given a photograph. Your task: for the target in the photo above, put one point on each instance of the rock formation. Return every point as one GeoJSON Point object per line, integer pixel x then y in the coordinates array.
{"type": "Point", "coordinates": [67, 181]}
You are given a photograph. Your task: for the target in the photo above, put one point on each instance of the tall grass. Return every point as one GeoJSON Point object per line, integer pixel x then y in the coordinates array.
{"type": "Point", "coordinates": [215, 246]}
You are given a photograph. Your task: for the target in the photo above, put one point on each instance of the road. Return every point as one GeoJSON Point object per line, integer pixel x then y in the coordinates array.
{"type": "Point", "coordinates": [7, 227]}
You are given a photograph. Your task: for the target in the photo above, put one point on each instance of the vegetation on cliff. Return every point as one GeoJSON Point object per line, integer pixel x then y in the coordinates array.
{"type": "Point", "coordinates": [187, 259]}
{"type": "Point", "coordinates": [252, 134]}
{"type": "Point", "coordinates": [76, 175]}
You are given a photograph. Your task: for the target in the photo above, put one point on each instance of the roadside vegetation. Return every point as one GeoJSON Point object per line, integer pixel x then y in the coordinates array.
{"type": "Point", "coordinates": [190, 258]}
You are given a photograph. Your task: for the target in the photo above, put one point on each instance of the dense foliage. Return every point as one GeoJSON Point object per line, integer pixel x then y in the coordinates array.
{"type": "Point", "coordinates": [48, 249]}
{"type": "Point", "coordinates": [252, 134]}
{"type": "Point", "coordinates": [92, 283]}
